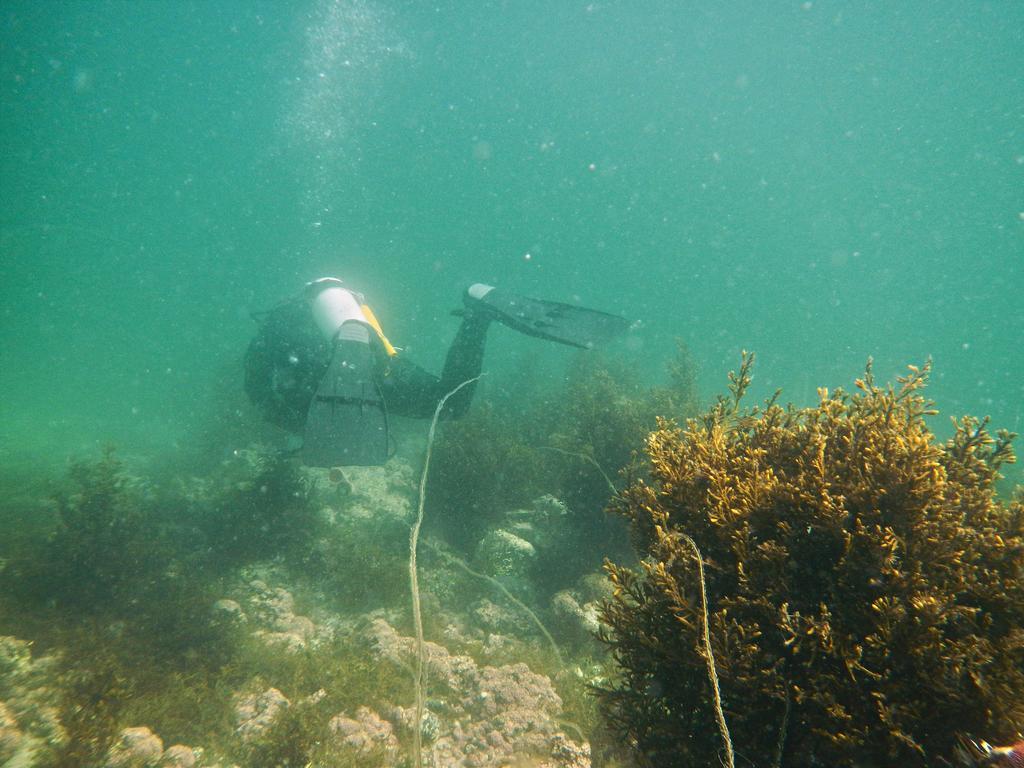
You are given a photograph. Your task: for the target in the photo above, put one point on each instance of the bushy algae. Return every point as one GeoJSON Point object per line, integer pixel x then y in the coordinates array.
{"type": "Point", "coordinates": [863, 580]}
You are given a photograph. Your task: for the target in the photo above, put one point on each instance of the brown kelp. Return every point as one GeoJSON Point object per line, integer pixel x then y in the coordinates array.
{"type": "Point", "coordinates": [864, 585]}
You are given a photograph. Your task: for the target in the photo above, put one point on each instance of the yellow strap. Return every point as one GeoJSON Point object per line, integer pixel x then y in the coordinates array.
{"type": "Point", "coordinates": [372, 320]}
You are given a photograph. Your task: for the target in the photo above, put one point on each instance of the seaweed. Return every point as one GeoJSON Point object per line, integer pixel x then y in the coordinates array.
{"type": "Point", "coordinates": [119, 581]}
{"type": "Point", "coordinates": [360, 567]}
{"type": "Point", "coordinates": [339, 676]}
{"type": "Point", "coordinates": [114, 554]}
{"type": "Point", "coordinates": [570, 441]}
{"type": "Point", "coordinates": [864, 584]}
{"type": "Point", "coordinates": [596, 434]}
{"type": "Point", "coordinates": [485, 465]}
{"type": "Point", "coordinates": [270, 514]}
{"type": "Point", "coordinates": [101, 551]}
{"type": "Point", "coordinates": [92, 700]}
{"type": "Point", "coordinates": [606, 413]}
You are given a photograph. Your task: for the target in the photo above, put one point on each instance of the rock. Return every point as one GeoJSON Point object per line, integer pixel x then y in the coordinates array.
{"type": "Point", "coordinates": [135, 748]}
{"type": "Point", "coordinates": [577, 611]}
{"type": "Point", "coordinates": [342, 486]}
{"type": "Point", "coordinates": [501, 619]}
{"type": "Point", "coordinates": [255, 713]}
{"type": "Point", "coordinates": [289, 642]}
{"type": "Point", "coordinates": [178, 756]}
{"type": "Point", "coordinates": [526, 541]}
{"type": "Point", "coordinates": [302, 626]}
{"type": "Point", "coordinates": [228, 612]}
{"type": "Point", "coordinates": [523, 530]}
{"type": "Point", "coordinates": [30, 729]}
{"type": "Point", "coordinates": [495, 715]}
{"type": "Point", "coordinates": [11, 737]}
{"type": "Point", "coordinates": [573, 620]}
{"type": "Point", "coordinates": [440, 575]}
{"type": "Point", "coordinates": [366, 493]}
{"type": "Point", "coordinates": [271, 604]}
{"type": "Point", "coordinates": [509, 559]}
{"type": "Point", "coordinates": [272, 609]}
{"type": "Point", "coordinates": [546, 525]}
{"type": "Point", "coordinates": [502, 553]}
{"type": "Point", "coordinates": [314, 698]}
{"type": "Point", "coordinates": [367, 734]}
{"type": "Point", "coordinates": [594, 587]}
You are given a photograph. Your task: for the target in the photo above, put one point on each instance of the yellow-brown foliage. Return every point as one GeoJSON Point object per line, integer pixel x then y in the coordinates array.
{"type": "Point", "coordinates": [864, 584]}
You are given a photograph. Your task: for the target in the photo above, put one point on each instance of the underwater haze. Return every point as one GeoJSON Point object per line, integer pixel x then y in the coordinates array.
{"type": "Point", "coordinates": [816, 182]}
{"type": "Point", "coordinates": [822, 184]}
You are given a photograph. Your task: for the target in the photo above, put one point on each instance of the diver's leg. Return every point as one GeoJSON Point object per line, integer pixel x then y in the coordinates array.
{"type": "Point", "coordinates": [411, 391]}
{"type": "Point", "coordinates": [550, 320]}
{"type": "Point", "coordinates": [347, 423]}
{"type": "Point", "coordinates": [464, 361]}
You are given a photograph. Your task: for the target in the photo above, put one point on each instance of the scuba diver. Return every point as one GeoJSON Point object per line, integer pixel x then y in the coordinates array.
{"type": "Point", "coordinates": [321, 366]}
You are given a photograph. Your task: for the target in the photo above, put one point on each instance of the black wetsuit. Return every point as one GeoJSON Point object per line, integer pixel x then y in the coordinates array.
{"type": "Point", "coordinates": [289, 356]}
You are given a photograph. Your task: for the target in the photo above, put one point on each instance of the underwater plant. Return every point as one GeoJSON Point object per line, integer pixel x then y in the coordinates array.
{"type": "Point", "coordinates": [116, 582]}
{"type": "Point", "coordinates": [269, 514]}
{"type": "Point", "coordinates": [603, 417]}
{"type": "Point", "coordinates": [358, 567]}
{"type": "Point", "coordinates": [484, 465]}
{"type": "Point", "coordinates": [569, 441]}
{"type": "Point", "coordinates": [102, 551]}
{"type": "Point", "coordinates": [594, 434]}
{"type": "Point", "coordinates": [865, 586]}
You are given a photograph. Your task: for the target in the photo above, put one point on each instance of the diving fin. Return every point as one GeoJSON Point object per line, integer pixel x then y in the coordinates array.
{"type": "Point", "coordinates": [551, 320]}
{"type": "Point", "coordinates": [346, 424]}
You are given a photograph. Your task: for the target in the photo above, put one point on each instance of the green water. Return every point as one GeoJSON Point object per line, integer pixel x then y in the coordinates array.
{"type": "Point", "coordinates": [817, 182]}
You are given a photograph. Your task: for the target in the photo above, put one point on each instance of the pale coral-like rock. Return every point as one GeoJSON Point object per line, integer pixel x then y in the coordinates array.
{"type": "Point", "coordinates": [568, 754]}
{"type": "Point", "coordinates": [178, 756]}
{"type": "Point", "coordinates": [580, 622]}
{"type": "Point", "coordinates": [367, 493]}
{"type": "Point", "coordinates": [366, 733]}
{"type": "Point", "coordinates": [228, 611]}
{"type": "Point", "coordinates": [272, 609]}
{"type": "Point", "coordinates": [256, 712]}
{"type": "Point", "coordinates": [30, 727]}
{"type": "Point", "coordinates": [501, 553]}
{"type": "Point", "coordinates": [492, 716]}
{"type": "Point", "coordinates": [135, 748]}
{"type": "Point", "coordinates": [11, 737]}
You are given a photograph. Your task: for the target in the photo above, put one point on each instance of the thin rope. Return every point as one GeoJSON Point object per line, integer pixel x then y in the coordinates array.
{"type": "Point", "coordinates": [730, 759]}
{"type": "Point", "coordinates": [414, 583]}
